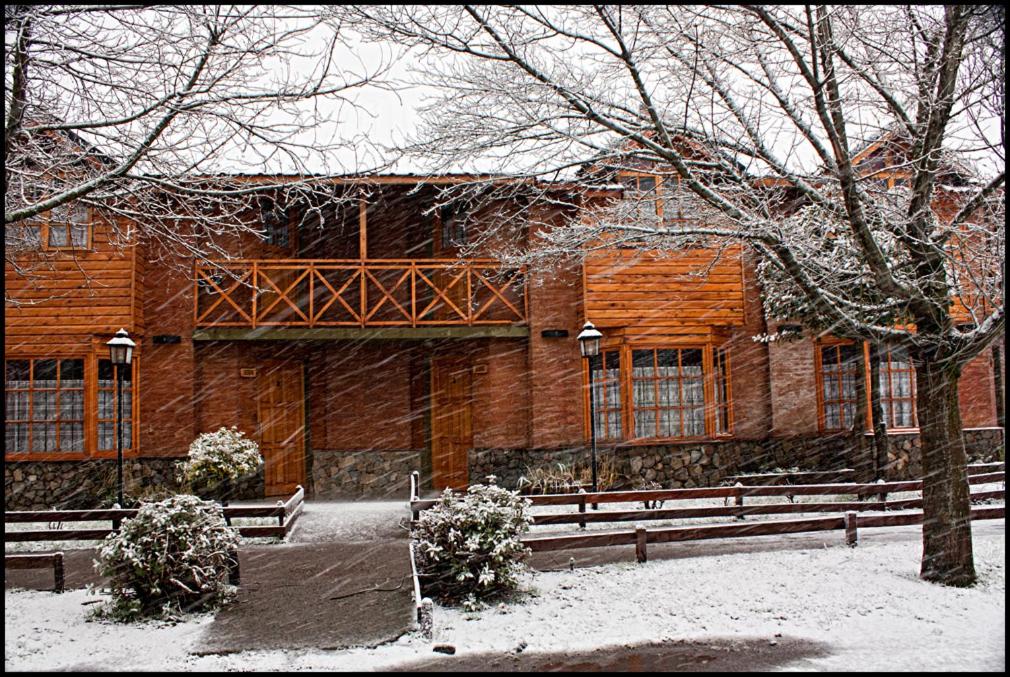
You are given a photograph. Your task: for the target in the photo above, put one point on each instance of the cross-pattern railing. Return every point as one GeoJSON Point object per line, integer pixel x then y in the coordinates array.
{"type": "Point", "coordinates": [358, 293]}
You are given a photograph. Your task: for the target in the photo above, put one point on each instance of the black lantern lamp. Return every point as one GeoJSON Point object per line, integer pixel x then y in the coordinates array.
{"type": "Point", "coordinates": [121, 355]}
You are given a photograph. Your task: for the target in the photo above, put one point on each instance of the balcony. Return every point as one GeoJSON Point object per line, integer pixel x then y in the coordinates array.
{"type": "Point", "coordinates": [361, 293]}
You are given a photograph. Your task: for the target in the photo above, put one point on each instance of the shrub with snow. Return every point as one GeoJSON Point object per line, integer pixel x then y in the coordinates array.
{"type": "Point", "coordinates": [468, 547]}
{"type": "Point", "coordinates": [173, 557]}
{"type": "Point", "coordinates": [220, 458]}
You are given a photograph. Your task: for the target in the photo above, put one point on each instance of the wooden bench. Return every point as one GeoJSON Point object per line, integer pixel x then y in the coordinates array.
{"type": "Point", "coordinates": [38, 560]}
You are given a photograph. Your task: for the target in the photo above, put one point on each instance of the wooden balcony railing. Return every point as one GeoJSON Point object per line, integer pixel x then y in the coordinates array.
{"type": "Point", "coordinates": [358, 293]}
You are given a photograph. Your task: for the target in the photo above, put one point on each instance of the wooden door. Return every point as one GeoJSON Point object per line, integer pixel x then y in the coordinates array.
{"type": "Point", "coordinates": [281, 426]}
{"type": "Point", "coordinates": [451, 430]}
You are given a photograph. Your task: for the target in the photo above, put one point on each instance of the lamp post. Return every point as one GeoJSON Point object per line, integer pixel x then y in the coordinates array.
{"type": "Point", "coordinates": [589, 345]}
{"type": "Point", "coordinates": [121, 355]}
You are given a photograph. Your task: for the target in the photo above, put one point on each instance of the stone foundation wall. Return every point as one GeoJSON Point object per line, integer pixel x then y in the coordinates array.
{"type": "Point", "coordinates": [79, 485]}
{"type": "Point", "coordinates": [36, 485]}
{"type": "Point", "coordinates": [709, 463]}
{"type": "Point", "coordinates": [362, 474]}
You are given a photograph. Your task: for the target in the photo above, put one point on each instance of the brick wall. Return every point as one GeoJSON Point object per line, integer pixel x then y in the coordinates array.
{"type": "Point", "coordinates": [793, 386]}
{"type": "Point", "coordinates": [977, 392]}
{"type": "Point", "coordinates": [556, 387]}
{"type": "Point", "coordinates": [752, 410]}
{"type": "Point", "coordinates": [501, 405]}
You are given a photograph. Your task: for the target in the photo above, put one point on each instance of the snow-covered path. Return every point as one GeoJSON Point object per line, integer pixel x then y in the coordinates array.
{"type": "Point", "coordinates": [865, 603]}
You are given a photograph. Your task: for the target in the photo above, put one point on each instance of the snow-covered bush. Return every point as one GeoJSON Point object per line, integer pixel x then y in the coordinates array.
{"type": "Point", "coordinates": [173, 557]}
{"type": "Point", "coordinates": [468, 547]}
{"type": "Point", "coordinates": [220, 458]}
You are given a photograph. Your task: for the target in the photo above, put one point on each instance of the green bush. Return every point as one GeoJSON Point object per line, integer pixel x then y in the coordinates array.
{"type": "Point", "coordinates": [173, 557]}
{"type": "Point", "coordinates": [468, 547]}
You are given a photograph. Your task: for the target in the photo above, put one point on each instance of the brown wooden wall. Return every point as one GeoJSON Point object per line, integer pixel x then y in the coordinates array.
{"type": "Point", "coordinates": [630, 288]}
{"type": "Point", "coordinates": [69, 296]}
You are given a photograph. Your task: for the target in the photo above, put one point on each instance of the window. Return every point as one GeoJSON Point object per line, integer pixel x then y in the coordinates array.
{"type": "Point", "coordinates": [67, 226]}
{"type": "Point", "coordinates": [107, 406]}
{"type": "Point", "coordinates": [671, 393]}
{"type": "Point", "coordinates": [676, 201]}
{"type": "Point", "coordinates": [275, 222]}
{"type": "Point", "coordinates": [61, 407]}
{"type": "Point", "coordinates": [453, 225]}
{"type": "Point", "coordinates": [606, 379]}
{"type": "Point", "coordinates": [668, 393]}
{"type": "Point", "coordinates": [897, 388]}
{"type": "Point", "coordinates": [641, 194]}
{"type": "Point", "coordinates": [44, 405]}
{"type": "Point", "coordinates": [723, 397]}
{"type": "Point", "coordinates": [841, 366]}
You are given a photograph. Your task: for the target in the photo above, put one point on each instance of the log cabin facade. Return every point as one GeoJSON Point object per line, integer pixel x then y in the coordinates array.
{"type": "Point", "coordinates": [358, 346]}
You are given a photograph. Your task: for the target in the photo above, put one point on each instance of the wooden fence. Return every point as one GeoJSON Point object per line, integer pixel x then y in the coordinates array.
{"type": "Point", "coordinates": [640, 536]}
{"type": "Point", "coordinates": [285, 512]}
{"type": "Point", "coordinates": [846, 516]}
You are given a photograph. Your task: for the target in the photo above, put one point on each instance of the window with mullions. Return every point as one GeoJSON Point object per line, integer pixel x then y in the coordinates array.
{"type": "Point", "coordinates": [897, 388]}
{"type": "Point", "coordinates": [668, 392]}
{"type": "Point", "coordinates": [107, 406]}
{"type": "Point", "coordinates": [606, 373]}
{"type": "Point", "coordinates": [641, 193]}
{"type": "Point", "coordinates": [841, 366]}
{"type": "Point", "coordinates": [676, 201]}
{"type": "Point", "coordinates": [44, 406]}
{"type": "Point", "coordinates": [67, 226]}
{"type": "Point", "coordinates": [723, 397]}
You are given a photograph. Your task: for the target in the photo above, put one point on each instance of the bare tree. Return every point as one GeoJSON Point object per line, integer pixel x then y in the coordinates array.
{"type": "Point", "coordinates": [148, 112]}
{"type": "Point", "coordinates": [762, 115]}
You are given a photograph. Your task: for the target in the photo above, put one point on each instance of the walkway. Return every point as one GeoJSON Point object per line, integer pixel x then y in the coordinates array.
{"type": "Point", "coordinates": [342, 579]}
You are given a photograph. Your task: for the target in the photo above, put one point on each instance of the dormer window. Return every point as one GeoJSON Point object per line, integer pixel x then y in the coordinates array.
{"type": "Point", "coordinates": [67, 226]}
{"type": "Point", "coordinates": [641, 192]}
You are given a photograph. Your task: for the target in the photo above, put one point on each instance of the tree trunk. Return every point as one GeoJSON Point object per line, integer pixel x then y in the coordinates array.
{"type": "Point", "coordinates": [861, 449]}
{"type": "Point", "coordinates": [881, 443]}
{"type": "Point", "coordinates": [946, 529]}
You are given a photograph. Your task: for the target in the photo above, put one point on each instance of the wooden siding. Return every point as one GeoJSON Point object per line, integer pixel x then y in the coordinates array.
{"type": "Point", "coordinates": [69, 296]}
{"type": "Point", "coordinates": [665, 294]}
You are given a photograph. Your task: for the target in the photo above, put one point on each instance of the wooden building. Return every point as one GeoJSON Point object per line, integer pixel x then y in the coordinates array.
{"type": "Point", "coordinates": [353, 343]}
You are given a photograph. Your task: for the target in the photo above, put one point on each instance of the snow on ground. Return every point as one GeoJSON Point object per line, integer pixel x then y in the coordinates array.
{"type": "Point", "coordinates": [866, 604]}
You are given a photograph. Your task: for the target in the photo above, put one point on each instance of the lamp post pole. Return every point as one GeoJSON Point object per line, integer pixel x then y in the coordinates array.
{"type": "Point", "coordinates": [120, 355]}
{"type": "Point", "coordinates": [119, 432]}
{"type": "Point", "coordinates": [592, 420]}
{"type": "Point", "coordinates": [589, 345]}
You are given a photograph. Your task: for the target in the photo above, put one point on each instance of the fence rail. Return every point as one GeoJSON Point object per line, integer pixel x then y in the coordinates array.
{"type": "Point", "coordinates": [358, 293]}
{"type": "Point", "coordinates": [286, 513]}
{"type": "Point", "coordinates": [846, 512]}
{"type": "Point", "coordinates": [42, 560]}
{"type": "Point", "coordinates": [640, 536]}
{"type": "Point", "coordinates": [878, 489]}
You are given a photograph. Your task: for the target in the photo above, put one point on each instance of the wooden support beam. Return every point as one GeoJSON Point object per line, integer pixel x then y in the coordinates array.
{"type": "Point", "coordinates": [362, 227]}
